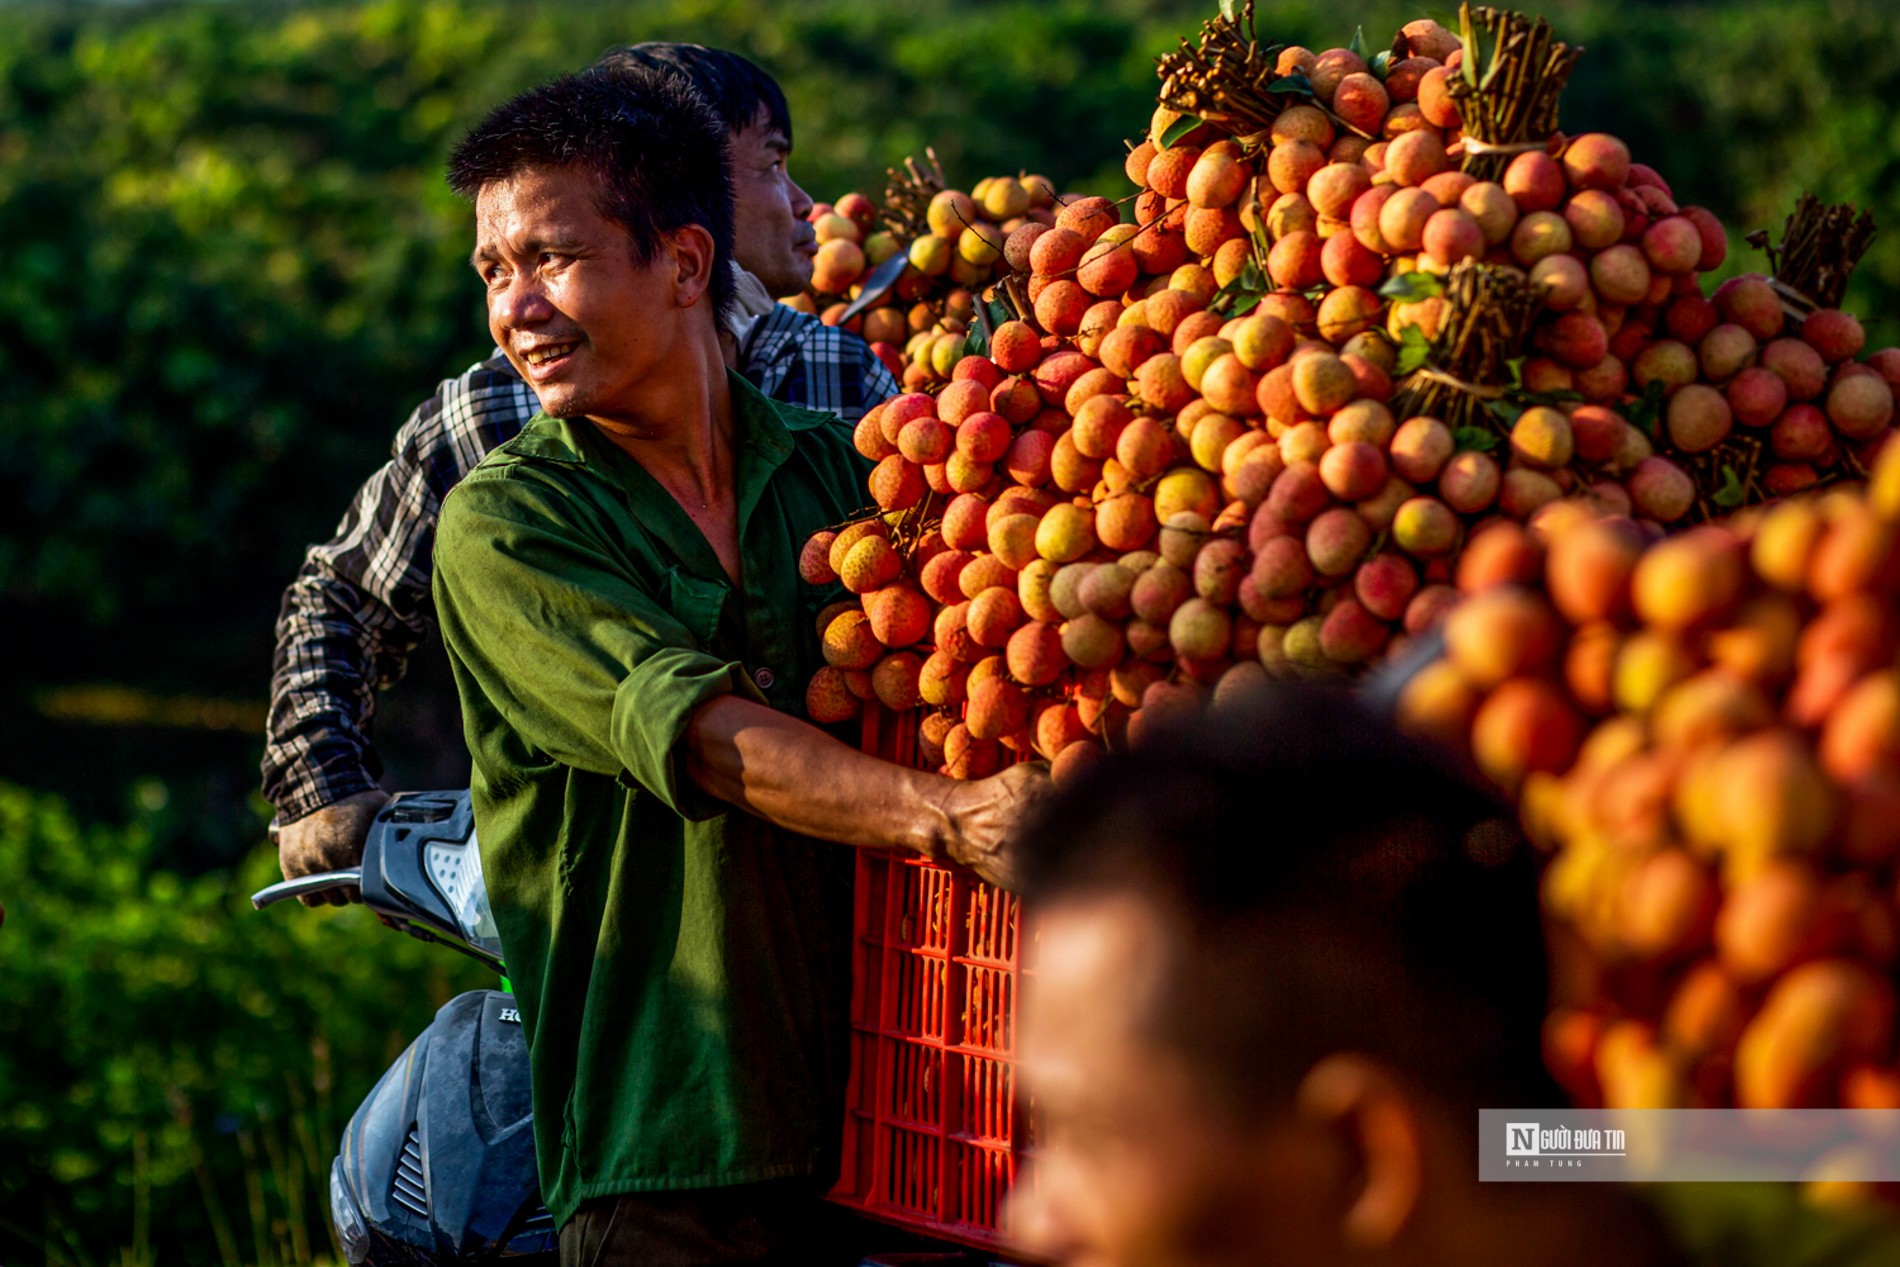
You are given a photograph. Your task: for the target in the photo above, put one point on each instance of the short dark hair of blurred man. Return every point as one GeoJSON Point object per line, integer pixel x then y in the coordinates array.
{"type": "Point", "coordinates": [1286, 955]}
{"type": "Point", "coordinates": [360, 605]}
{"type": "Point", "coordinates": [619, 593]}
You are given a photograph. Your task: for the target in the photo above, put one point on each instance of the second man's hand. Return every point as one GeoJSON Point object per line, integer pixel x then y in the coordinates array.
{"type": "Point", "coordinates": [329, 839]}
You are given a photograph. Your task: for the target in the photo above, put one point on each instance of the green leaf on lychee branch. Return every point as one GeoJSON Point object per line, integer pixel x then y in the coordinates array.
{"type": "Point", "coordinates": [1646, 410]}
{"type": "Point", "coordinates": [1731, 494]}
{"type": "Point", "coordinates": [1295, 83]}
{"type": "Point", "coordinates": [1263, 241]}
{"type": "Point", "coordinates": [1230, 9]}
{"type": "Point", "coordinates": [1482, 439]}
{"type": "Point", "coordinates": [1413, 287]}
{"type": "Point", "coordinates": [1414, 349]}
{"type": "Point", "coordinates": [1178, 129]}
{"type": "Point", "coordinates": [991, 313]}
{"type": "Point", "coordinates": [1515, 392]}
{"type": "Point", "coordinates": [1505, 411]}
{"type": "Point", "coordinates": [1382, 64]}
{"type": "Point", "coordinates": [1358, 44]}
{"type": "Point", "coordinates": [1241, 295]}
{"type": "Point", "coordinates": [1001, 312]}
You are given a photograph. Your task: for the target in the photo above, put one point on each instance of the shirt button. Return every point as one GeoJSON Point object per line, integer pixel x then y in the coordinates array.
{"type": "Point", "coordinates": [765, 678]}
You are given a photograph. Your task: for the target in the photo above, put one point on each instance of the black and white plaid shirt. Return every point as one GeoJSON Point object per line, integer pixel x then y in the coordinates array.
{"type": "Point", "coordinates": [361, 602]}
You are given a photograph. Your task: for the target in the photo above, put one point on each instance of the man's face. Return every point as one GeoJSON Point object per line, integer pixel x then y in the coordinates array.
{"type": "Point", "coordinates": [579, 316]}
{"type": "Point", "coordinates": [1134, 1166]}
{"type": "Point", "coordinates": [770, 236]}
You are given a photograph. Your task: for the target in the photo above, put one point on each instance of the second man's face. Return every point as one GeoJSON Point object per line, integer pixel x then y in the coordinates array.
{"type": "Point", "coordinates": [771, 238]}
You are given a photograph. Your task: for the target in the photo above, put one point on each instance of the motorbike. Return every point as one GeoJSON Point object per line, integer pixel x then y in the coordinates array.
{"type": "Point", "coordinates": [437, 1166]}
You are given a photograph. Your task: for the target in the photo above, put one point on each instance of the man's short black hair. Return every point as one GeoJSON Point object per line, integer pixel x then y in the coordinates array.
{"type": "Point", "coordinates": [656, 152]}
{"type": "Point", "coordinates": [733, 86]}
{"type": "Point", "coordinates": [1328, 885]}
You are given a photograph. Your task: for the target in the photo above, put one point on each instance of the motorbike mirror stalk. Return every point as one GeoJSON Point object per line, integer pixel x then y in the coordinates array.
{"type": "Point", "coordinates": [305, 885]}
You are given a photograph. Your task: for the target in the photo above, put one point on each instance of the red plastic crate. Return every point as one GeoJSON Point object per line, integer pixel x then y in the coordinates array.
{"type": "Point", "coordinates": [933, 1128]}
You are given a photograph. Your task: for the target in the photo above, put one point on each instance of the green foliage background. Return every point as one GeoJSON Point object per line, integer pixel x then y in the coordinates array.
{"type": "Point", "coordinates": [228, 268]}
{"type": "Point", "coordinates": [176, 1069]}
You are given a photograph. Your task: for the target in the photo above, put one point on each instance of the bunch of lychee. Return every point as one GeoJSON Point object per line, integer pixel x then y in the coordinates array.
{"type": "Point", "coordinates": [919, 326]}
{"type": "Point", "coordinates": [969, 579]}
{"type": "Point", "coordinates": [1704, 732]}
{"type": "Point", "coordinates": [850, 245]}
{"type": "Point", "coordinates": [1626, 322]}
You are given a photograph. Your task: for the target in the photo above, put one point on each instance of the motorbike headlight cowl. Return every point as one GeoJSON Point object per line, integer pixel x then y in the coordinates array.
{"type": "Point", "coordinates": [350, 1228]}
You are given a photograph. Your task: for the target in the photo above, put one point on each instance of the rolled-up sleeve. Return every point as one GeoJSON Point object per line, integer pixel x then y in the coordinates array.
{"type": "Point", "coordinates": [546, 620]}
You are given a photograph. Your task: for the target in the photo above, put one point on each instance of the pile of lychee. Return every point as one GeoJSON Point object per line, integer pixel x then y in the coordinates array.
{"type": "Point", "coordinates": [1189, 462]}
{"type": "Point", "coordinates": [1631, 375]}
{"type": "Point", "coordinates": [1704, 733]}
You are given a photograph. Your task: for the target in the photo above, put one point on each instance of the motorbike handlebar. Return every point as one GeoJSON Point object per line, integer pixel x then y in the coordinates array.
{"type": "Point", "coordinates": [304, 885]}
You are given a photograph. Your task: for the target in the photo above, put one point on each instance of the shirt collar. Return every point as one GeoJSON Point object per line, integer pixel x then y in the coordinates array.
{"type": "Point", "coordinates": [763, 432]}
{"type": "Point", "coordinates": [750, 301]}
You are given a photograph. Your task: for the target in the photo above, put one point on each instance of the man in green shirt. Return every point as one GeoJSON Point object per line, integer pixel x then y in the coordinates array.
{"type": "Point", "coordinates": [619, 594]}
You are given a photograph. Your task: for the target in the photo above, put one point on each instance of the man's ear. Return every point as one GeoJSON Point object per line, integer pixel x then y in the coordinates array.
{"type": "Point", "coordinates": [1369, 1113]}
{"type": "Point", "coordinates": [691, 249]}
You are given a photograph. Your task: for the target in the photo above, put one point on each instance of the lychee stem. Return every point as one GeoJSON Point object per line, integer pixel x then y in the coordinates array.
{"type": "Point", "coordinates": [1511, 102]}
{"type": "Point", "coordinates": [1227, 80]}
{"type": "Point", "coordinates": [1821, 245]}
{"type": "Point", "coordinates": [1487, 323]}
{"type": "Point", "coordinates": [907, 195]}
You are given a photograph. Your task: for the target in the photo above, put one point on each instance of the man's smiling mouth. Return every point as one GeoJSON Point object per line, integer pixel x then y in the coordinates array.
{"type": "Point", "coordinates": [547, 353]}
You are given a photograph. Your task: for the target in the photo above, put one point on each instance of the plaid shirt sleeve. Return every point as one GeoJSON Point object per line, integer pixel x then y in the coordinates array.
{"type": "Point", "coordinates": [360, 604]}
{"type": "Point", "coordinates": [794, 357]}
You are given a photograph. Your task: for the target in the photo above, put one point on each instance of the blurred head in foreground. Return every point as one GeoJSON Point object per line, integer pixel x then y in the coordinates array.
{"type": "Point", "coordinates": [1286, 955]}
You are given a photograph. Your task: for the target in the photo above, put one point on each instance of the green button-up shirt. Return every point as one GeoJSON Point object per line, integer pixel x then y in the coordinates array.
{"type": "Point", "coordinates": [682, 966]}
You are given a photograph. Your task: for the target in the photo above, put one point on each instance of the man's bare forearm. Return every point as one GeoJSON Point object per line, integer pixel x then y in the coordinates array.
{"type": "Point", "coordinates": [794, 775]}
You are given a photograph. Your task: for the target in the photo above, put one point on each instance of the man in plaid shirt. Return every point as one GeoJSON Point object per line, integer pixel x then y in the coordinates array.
{"type": "Point", "coordinates": [361, 602]}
